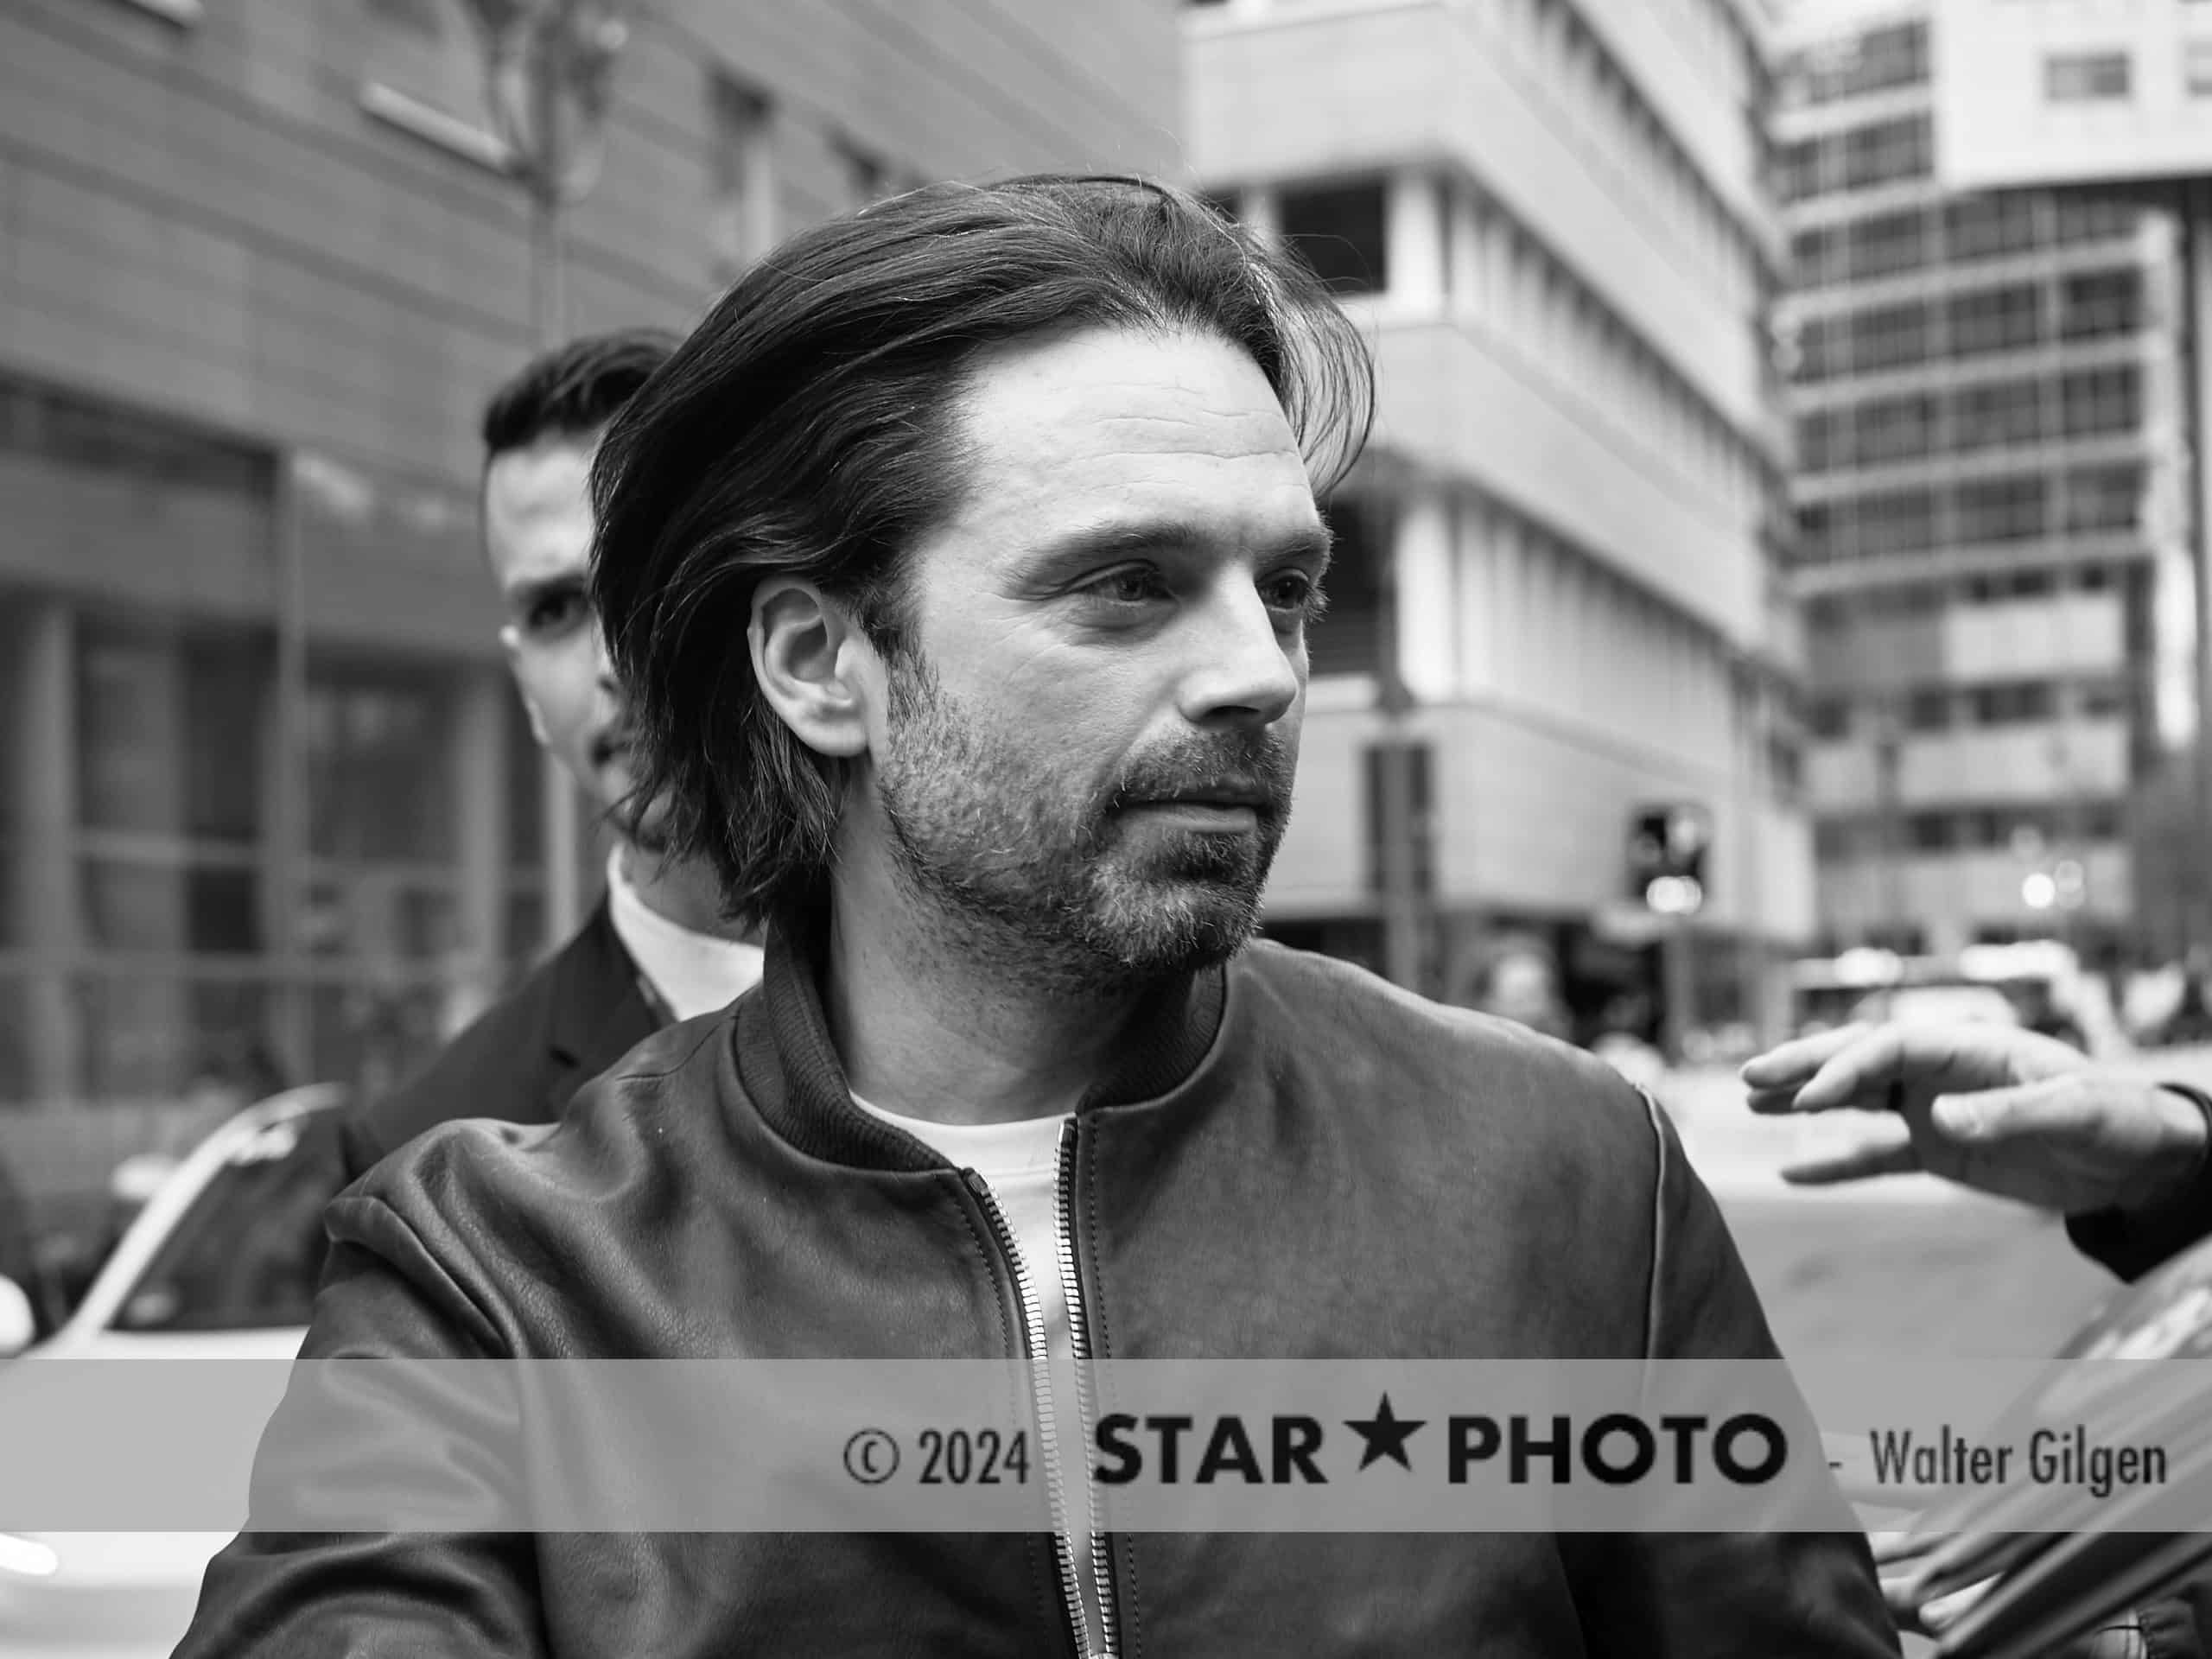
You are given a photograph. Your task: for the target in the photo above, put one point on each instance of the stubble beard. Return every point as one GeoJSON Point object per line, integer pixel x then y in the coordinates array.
{"type": "Point", "coordinates": [1046, 886]}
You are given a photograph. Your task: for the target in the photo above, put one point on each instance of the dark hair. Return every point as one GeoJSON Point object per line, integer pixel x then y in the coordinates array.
{"type": "Point", "coordinates": [573, 391]}
{"type": "Point", "coordinates": [805, 428]}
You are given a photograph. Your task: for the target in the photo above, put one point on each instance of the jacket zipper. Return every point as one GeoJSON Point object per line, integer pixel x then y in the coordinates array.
{"type": "Point", "coordinates": [1079, 1341]}
{"type": "Point", "coordinates": [1040, 1379]}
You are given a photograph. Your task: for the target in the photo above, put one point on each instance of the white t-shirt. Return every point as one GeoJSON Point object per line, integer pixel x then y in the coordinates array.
{"type": "Point", "coordinates": [1019, 1162]}
{"type": "Point", "coordinates": [694, 973]}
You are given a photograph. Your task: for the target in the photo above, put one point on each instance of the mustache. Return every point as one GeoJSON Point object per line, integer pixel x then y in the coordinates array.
{"type": "Point", "coordinates": [1257, 761]}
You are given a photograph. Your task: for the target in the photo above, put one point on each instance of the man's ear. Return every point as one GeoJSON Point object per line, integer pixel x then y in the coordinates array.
{"type": "Point", "coordinates": [814, 665]}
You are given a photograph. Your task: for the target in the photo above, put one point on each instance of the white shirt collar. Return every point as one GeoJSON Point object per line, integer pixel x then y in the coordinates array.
{"type": "Point", "coordinates": [995, 1151]}
{"type": "Point", "coordinates": [694, 973]}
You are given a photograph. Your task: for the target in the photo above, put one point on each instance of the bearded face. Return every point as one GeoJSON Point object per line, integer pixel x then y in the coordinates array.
{"type": "Point", "coordinates": [1019, 851]}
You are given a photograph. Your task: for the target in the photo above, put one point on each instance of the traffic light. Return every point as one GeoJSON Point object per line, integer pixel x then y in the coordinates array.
{"type": "Point", "coordinates": [1666, 857]}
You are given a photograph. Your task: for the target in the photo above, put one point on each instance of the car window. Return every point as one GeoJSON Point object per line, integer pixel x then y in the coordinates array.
{"type": "Point", "coordinates": [248, 1253]}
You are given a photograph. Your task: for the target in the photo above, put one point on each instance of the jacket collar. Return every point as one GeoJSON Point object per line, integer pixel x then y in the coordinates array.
{"type": "Point", "coordinates": [789, 1069]}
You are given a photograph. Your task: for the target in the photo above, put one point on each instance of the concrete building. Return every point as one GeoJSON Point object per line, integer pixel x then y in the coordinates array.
{"type": "Point", "coordinates": [1992, 549]}
{"type": "Point", "coordinates": [270, 808]}
{"type": "Point", "coordinates": [1550, 216]}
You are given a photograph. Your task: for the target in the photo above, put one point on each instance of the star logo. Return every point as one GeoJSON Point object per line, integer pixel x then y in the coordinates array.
{"type": "Point", "coordinates": [1386, 1435]}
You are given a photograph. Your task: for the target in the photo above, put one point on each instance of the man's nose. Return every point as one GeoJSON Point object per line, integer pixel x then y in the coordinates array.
{"type": "Point", "coordinates": [1242, 674]}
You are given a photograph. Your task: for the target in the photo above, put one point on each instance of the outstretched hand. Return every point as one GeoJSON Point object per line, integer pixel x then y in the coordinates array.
{"type": "Point", "coordinates": [1899, 1558]}
{"type": "Point", "coordinates": [1994, 1108]}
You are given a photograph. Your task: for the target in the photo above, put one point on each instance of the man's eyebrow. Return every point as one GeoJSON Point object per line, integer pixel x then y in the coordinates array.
{"type": "Point", "coordinates": [1155, 535]}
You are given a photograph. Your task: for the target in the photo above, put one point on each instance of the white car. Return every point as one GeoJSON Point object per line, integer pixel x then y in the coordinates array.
{"type": "Point", "coordinates": [1939, 1005]}
{"type": "Point", "coordinates": [221, 1263]}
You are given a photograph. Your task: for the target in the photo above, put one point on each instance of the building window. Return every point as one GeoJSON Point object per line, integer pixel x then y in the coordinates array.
{"type": "Point", "coordinates": [1818, 448]}
{"type": "Point", "coordinates": [1899, 521]}
{"type": "Point", "coordinates": [1893, 429]}
{"type": "Point", "coordinates": [1823, 348]}
{"type": "Point", "coordinates": [2095, 218]}
{"type": "Point", "coordinates": [1342, 231]}
{"type": "Point", "coordinates": [2196, 67]}
{"type": "Point", "coordinates": [2011, 703]}
{"type": "Point", "coordinates": [1829, 718]}
{"type": "Point", "coordinates": [2102, 499]}
{"type": "Point", "coordinates": [1995, 320]}
{"type": "Point", "coordinates": [1888, 243]}
{"type": "Point", "coordinates": [1348, 639]}
{"type": "Point", "coordinates": [1874, 62]}
{"type": "Point", "coordinates": [426, 77]}
{"type": "Point", "coordinates": [1818, 538]}
{"type": "Point", "coordinates": [169, 787]}
{"type": "Point", "coordinates": [2102, 400]}
{"type": "Point", "coordinates": [2002, 509]}
{"type": "Point", "coordinates": [1929, 709]}
{"type": "Point", "coordinates": [1889, 337]}
{"type": "Point", "coordinates": [1797, 169]}
{"type": "Point", "coordinates": [2085, 77]}
{"type": "Point", "coordinates": [1932, 832]}
{"type": "Point", "coordinates": [378, 784]}
{"type": "Point", "coordinates": [47, 423]}
{"type": "Point", "coordinates": [1817, 257]}
{"type": "Point", "coordinates": [2101, 302]}
{"type": "Point", "coordinates": [1887, 152]}
{"type": "Point", "coordinates": [1990, 226]}
{"type": "Point", "coordinates": [1998, 414]}
{"type": "Point", "coordinates": [741, 216]}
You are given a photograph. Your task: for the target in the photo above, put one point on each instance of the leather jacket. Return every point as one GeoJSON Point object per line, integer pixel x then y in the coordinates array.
{"type": "Point", "coordinates": [1291, 1160]}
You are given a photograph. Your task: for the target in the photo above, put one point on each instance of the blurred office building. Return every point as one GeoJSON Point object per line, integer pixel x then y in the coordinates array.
{"type": "Point", "coordinates": [270, 810]}
{"type": "Point", "coordinates": [1557, 595]}
{"type": "Point", "coordinates": [1992, 548]}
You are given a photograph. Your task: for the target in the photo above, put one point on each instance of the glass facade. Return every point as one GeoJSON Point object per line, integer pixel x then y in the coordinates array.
{"type": "Point", "coordinates": [252, 835]}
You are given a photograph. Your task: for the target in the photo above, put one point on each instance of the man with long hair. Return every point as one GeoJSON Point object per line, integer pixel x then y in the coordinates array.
{"type": "Point", "coordinates": [960, 566]}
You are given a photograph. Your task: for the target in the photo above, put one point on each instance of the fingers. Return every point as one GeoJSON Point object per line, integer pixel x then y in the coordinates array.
{"type": "Point", "coordinates": [1905, 1609]}
{"type": "Point", "coordinates": [1945, 1611]}
{"type": "Point", "coordinates": [1899, 1547]}
{"type": "Point", "coordinates": [1788, 1064]}
{"type": "Point", "coordinates": [1857, 1074]}
{"type": "Point", "coordinates": [1859, 1163]}
{"type": "Point", "coordinates": [1867, 1068]}
{"type": "Point", "coordinates": [2057, 1111]}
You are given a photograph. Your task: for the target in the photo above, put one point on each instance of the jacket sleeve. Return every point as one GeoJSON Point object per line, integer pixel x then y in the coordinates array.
{"type": "Point", "coordinates": [351, 1595]}
{"type": "Point", "coordinates": [2131, 1244]}
{"type": "Point", "coordinates": [1681, 1595]}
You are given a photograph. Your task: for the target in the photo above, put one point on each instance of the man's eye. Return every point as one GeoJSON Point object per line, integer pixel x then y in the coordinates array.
{"type": "Point", "coordinates": [1293, 590]}
{"type": "Point", "coordinates": [555, 613]}
{"type": "Point", "coordinates": [1137, 586]}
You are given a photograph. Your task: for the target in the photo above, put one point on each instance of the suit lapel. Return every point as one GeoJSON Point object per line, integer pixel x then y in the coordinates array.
{"type": "Point", "coordinates": [598, 1013]}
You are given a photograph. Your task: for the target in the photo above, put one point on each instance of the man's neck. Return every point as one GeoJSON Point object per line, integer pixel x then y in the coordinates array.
{"type": "Point", "coordinates": [678, 891]}
{"type": "Point", "coordinates": [928, 1036]}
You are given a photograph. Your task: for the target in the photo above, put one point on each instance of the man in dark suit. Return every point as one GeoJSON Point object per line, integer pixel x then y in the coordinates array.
{"type": "Point", "coordinates": [655, 947]}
